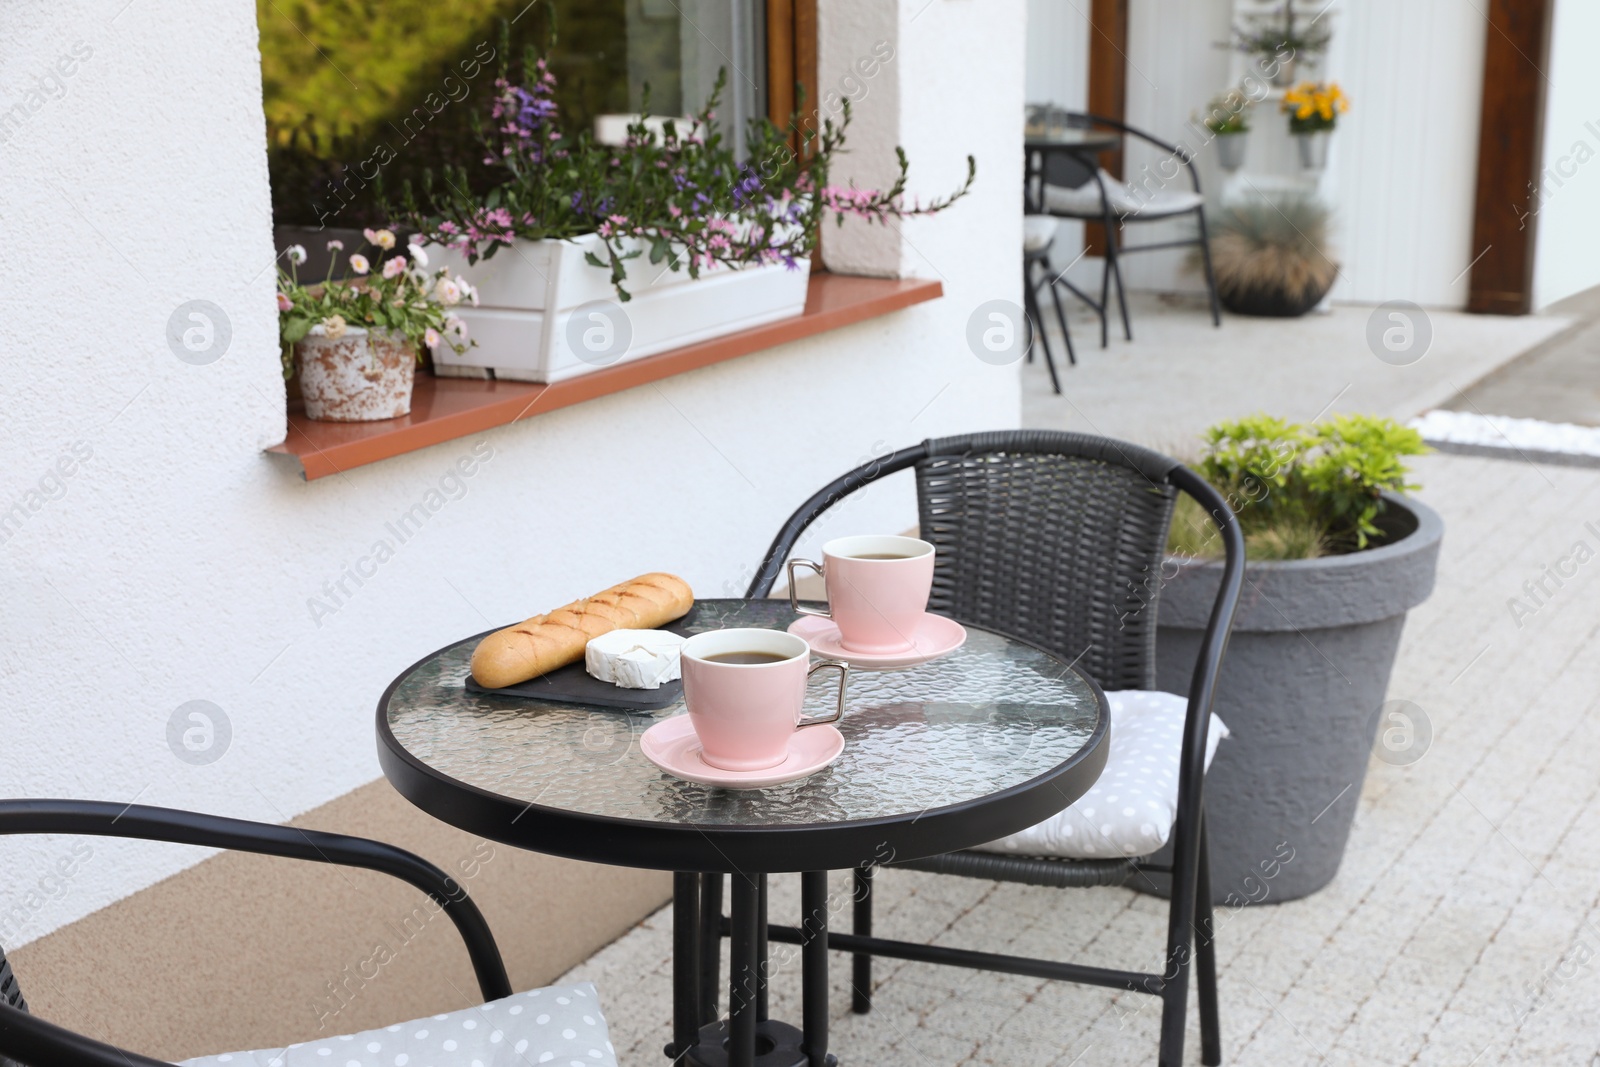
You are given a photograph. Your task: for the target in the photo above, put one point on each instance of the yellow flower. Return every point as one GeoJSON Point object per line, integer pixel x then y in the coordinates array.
{"type": "Point", "coordinates": [1314, 100]}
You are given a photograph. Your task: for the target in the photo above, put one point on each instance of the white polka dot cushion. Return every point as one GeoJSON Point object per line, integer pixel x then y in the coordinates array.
{"type": "Point", "coordinates": [559, 1025]}
{"type": "Point", "coordinates": [1129, 811]}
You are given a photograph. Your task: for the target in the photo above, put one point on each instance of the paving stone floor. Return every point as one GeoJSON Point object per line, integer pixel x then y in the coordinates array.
{"type": "Point", "coordinates": [1464, 926]}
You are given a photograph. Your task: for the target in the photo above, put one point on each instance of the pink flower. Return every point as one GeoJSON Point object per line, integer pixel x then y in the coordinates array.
{"type": "Point", "coordinates": [359, 264]}
{"type": "Point", "coordinates": [284, 303]}
{"type": "Point", "coordinates": [431, 338]}
{"type": "Point", "coordinates": [394, 267]}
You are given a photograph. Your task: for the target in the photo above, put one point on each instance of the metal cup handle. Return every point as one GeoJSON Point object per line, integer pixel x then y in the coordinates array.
{"type": "Point", "coordinates": [844, 683]}
{"type": "Point", "coordinates": [794, 597]}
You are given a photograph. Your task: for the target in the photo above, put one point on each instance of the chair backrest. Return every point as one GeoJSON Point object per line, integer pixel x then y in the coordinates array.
{"type": "Point", "coordinates": [1057, 538]}
{"type": "Point", "coordinates": [1069, 170]}
{"type": "Point", "coordinates": [1066, 170]}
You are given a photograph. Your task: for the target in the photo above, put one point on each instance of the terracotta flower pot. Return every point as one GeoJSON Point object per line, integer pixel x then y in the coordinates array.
{"type": "Point", "coordinates": [359, 376]}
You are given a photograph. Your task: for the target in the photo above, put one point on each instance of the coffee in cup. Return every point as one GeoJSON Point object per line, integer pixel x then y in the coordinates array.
{"type": "Point", "coordinates": [878, 589]}
{"type": "Point", "coordinates": [745, 689]}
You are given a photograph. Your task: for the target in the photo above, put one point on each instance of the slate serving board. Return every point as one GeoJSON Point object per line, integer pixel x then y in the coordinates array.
{"type": "Point", "coordinates": [573, 684]}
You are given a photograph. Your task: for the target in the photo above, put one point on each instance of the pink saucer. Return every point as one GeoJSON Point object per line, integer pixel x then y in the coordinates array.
{"type": "Point", "coordinates": [935, 636]}
{"type": "Point", "coordinates": [672, 745]}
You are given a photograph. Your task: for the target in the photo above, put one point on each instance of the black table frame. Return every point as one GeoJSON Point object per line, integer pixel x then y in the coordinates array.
{"type": "Point", "coordinates": [699, 855]}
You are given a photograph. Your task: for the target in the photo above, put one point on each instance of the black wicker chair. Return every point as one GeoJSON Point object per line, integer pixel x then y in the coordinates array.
{"type": "Point", "coordinates": [1059, 538]}
{"type": "Point", "coordinates": [27, 1039]}
{"type": "Point", "coordinates": [1062, 171]}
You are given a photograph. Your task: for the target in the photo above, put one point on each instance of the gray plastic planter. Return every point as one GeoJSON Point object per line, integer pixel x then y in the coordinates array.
{"type": "Point", "coordinates": [1301, 689]}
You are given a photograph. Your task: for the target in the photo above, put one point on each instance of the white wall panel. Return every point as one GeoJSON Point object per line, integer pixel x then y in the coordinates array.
{"type": "Point", "coordinates": [1568, 205]}
{"type": "Point", "coordinates": [1402, 170]}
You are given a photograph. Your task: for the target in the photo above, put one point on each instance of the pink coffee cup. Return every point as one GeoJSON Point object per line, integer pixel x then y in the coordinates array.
{"type": "Point", "coordinates": [745, 713]}
{"type": "Point", "coordinates": [878, 590]}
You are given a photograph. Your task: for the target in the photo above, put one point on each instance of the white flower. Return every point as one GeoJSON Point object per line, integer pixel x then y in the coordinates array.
{"type": "Point", "coordinates": [384, 239]}
{"type": "Point", "coordinates": [417, 256]}
{"type": "Point", "coordinates": [455, 328]}
{"type": "Point", "coordinates": [359, 264]}
{"type": "Point", "coordinates": [468, 291]}
{"type": "Point", "coordinates": [431, 338]}
{"type": "Point", "coordinates": [336, 245]}
{"type": "Point", "coordinates": [296, 254]}
{"type": "Point", "coordinates": [333, 326]}
{"type": "Point", "coordinates": [447, 291]}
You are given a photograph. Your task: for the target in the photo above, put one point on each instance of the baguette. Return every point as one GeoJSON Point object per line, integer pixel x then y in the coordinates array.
{"type": "Point", "coordinates": [545, 642]}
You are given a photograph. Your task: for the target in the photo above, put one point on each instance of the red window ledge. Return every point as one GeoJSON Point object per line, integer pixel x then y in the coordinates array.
{"type": "Point", "coordinates": [443, 409]}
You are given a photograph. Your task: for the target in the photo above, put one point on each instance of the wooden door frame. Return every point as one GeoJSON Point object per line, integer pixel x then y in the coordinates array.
{"type": "Point", "coordinates": [791, 59]}
{"type": "Point", "coordinates": [1510, 152]}
{"type": "Point", "coordinates": [1108, 87]}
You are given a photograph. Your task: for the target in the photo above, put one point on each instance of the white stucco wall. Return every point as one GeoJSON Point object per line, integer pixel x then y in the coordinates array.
{"type": "Point", "coordinates": [175, 563]}
{"type": "Point", "coordinates": [1567, 208]}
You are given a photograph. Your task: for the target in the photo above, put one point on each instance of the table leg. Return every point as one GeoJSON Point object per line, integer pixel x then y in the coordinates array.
{"type": "Point", "coordinates": [761, 954]}
{"type": "Point", "coordinates": [861, 964]}
{"type": "Point", "coordinates": [814, 966]}
{"type": "Point", "coordinates": [744, 969]}
{"type": "Point", "coordinates": [710, 946]}
{"type": "Point", "coordinates": [685, 963]}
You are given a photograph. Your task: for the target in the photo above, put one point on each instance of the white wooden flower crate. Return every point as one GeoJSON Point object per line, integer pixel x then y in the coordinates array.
{"type": "Point", "coordinates": [545, 314]}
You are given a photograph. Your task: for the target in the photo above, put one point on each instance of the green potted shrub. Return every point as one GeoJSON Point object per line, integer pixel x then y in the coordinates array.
{"type": "Point", "coordinates": [1269, 255]}
{"type": "Point", "coordinates": [1337, 554]}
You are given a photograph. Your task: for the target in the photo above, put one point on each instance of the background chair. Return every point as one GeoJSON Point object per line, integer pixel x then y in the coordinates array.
{"type": "Point", "coordinates": [452, 1038]}
{"type": "Point", "coordinates": [1072, 187]}
{"type": "Point", "coordinates": [1059, 538]}
{"type": "Point", "coordinates": [1038, 233]}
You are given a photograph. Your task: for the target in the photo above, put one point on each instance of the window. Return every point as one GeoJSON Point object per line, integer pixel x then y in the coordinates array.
{"type": "Point", "coordinates": [362, 95]}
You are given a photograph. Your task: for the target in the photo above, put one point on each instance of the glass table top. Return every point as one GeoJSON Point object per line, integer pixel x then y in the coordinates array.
{"type": "Point", "coordinates": [994, 714]}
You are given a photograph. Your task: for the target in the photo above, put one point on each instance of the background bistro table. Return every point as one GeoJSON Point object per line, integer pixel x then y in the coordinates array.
{"type": "Point", "coordinates": [984, 742]}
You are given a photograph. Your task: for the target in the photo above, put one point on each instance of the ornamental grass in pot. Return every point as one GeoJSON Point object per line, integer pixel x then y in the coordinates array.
{"type": "Point", "coordinates": [1269, 255]}
{"type": "Point", "coordinates": [353, 342]}
{"type": "Point", "coordinates": [1338, 552]}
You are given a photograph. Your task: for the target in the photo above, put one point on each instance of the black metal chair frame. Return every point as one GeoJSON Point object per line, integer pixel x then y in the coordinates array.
{"type": "Point", "coordinates": [1040, 257]}
{"type": "Point", "coordinates": [30, 1040]}
{"type": "Point", "coordinates": [1110, 221]}
{"type": "Point", "coordinates": [1190, 927]}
